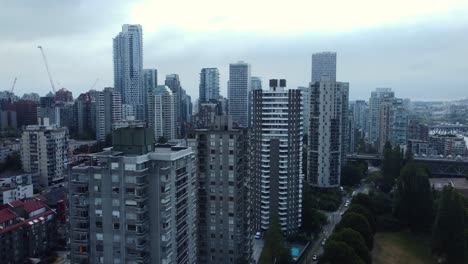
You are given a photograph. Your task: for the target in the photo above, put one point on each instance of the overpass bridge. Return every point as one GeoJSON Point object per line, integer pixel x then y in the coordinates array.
{"type": "Point", "coordinates": [439, 166]}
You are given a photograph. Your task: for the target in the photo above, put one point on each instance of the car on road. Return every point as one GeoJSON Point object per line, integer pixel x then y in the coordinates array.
{"type": "Point", "coordinates": [342, 213]}
{"type": "Point", "coordinates": [324, 242]}
{"type": "Point", "coordinates": [353, 194]}
{"type": "Point", "coordinates": [258, 235]}
{"type": "Point", "coordinates": [314, 258]}
{"type": "Point", "coordinates": [346, 204]}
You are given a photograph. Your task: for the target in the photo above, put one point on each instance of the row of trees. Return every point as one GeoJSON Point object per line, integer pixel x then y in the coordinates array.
{"type": "Point", "coordinates": [419, 208]}
{"type": "Point", "coordinates": [352, 240]}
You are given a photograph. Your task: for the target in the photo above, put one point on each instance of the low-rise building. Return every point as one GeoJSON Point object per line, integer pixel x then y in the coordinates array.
{"type": "Point", "coordinates": [27, 230]}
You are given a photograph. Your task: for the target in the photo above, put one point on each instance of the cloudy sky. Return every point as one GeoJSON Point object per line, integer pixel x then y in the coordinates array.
{"type": "Point", "coordinates": [417, 47]}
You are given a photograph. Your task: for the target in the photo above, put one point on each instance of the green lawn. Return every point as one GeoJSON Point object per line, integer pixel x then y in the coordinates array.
{"type": "Point", "coordinates": [401, 248]}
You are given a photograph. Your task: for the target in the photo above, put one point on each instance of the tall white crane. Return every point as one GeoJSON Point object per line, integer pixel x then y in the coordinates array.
{"type": "Point", "coordinates": [47, 68]}
{"type": "Point", "coordinates": [13, 85]}
{"type": "Point", "coordinates": [94, 84]}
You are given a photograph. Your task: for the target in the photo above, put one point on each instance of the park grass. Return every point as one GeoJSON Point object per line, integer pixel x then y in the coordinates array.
{"type": "Point", "coordinates": [401, 248]}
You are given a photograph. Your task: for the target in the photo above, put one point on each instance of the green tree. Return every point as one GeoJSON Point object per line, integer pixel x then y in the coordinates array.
{"type": "Point", "coordinates": [312, 219]}
{"type": "Point", "coordinates": [364, 200]}
{"type": "Point", "coordinates": [274, 250]}
{"type": "Point", "coordinates": [355, 240]}
{"type": "Point", "coordinates": [358, 223]}
{"type": "Point", "coordinates": [414, 203]}
{"type": "Point", "coordinates": [337, 252]}
{"type": "Point", "coordinates": [12, 162]}
{"type": "Point", "coordinates": [448, 235]}
{"type": "Point", "coordinates": [359, 209]}
{"type": "Point", "coordinates": [351, 174]}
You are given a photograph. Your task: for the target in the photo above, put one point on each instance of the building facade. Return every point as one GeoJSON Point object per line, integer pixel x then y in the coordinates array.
{"type": "Point", "coordinates": [323, 66]}
{"type": "Point", "coordinates": [238, 92]}
{"type": "Point", "coordinates": [326, 133]}
{"type": "Point", "coordinates": [161, 113]}
{"type": "Point", "coordinates": [276, 157]}
{"type": "Point", "coordinates": [128, 67]}
{"type": "Point", "coordinates": [44, 149]}
{"type": "Point", "coordinates": [134, 203]}
{"type": "Point", "coordinates": [223, 205]}
{"type": "Point", "coordinates": [209, 84]}
{"type": "Point", "coordinates": [108, 111]}
{"type": "Point", "coordinates": [375, 113]}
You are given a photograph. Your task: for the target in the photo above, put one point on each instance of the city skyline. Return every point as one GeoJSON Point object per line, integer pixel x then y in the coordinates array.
{"type": "Point", "coordinates": [373, 51]}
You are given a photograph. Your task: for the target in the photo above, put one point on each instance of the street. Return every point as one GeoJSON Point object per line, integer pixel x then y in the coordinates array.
{"type": "Point", "coordinates": [333, 219]}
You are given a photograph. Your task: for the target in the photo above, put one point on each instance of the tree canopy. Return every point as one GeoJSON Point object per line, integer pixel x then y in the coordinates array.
{"type": "Point", "coordinates": [358, 223]}
{"type": "Point", "coordinates": [274, 248]}
{"type": "Point", "coordinates": [355, 240]}
{"type": "Point", "coordinates": [448, 236]}
{"type": "Point", "coordinates": [414, 203]}
{"type": "Point", "coordinates": [338, 252]}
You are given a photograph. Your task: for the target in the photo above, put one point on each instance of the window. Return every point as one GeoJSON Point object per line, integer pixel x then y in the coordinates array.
{"type": "Point", "coordinates": [115, 178]}
{"type": "Point", "coordinates": [97, 201]}
{"type": "Point", "coordinates": [116, 226]}
{"type": "Point", "coordinates": [97, 176]}
{"type": "Point", "coordinates": [98, 213]}
{"type": "Point", "coordinates": [115, 214]}
{"type": "Point", "coordinates": [115, 202]}
{"type": "Point", "coordinates": [99, 236]}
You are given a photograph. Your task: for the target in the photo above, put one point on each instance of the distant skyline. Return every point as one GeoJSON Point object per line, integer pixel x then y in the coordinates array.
{"type": "Point", "coordinates": [417, 48]}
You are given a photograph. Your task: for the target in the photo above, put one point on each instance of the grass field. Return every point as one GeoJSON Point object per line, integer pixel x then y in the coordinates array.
{"type": "Point", "coordinates": [401, 248]}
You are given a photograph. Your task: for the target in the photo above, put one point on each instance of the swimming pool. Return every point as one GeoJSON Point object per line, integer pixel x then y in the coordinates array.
{"type": "Point", "coordinates": [295, 252]}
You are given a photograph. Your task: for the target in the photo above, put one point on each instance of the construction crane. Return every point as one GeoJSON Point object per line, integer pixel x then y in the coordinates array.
{"type": "Point", "coordinates": [47, 68]}
{"type": "Point", "coordinates": [13, 86]}
{"type": "Point", "coordinates": [94, 84]}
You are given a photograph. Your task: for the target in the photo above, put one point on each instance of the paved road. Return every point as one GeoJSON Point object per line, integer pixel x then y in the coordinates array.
{"type": "Point", "coordinates": [333, 219]}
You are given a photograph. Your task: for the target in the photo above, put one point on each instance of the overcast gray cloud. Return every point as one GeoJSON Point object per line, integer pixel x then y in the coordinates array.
{"type": "Point", "coordinates": [424, 59]}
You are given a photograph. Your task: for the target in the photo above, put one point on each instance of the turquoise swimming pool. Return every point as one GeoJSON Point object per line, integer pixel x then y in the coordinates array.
{"type": "Point", "coordinates": [295, 252]}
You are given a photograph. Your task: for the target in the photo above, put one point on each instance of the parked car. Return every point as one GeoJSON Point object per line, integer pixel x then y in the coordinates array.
{"type": "Point", "coordinates": [258, 235]}
{"type": "Point", "coordinates": [314, 258]}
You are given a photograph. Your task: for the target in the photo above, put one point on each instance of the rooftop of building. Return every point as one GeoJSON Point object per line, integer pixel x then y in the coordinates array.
{"type": "Point", "coordinates": [12, 173]}
{"type": "Point", "coordinates": [7, 215]}
{"type": "Point", "coordinates": [459, 184]}
{"type": "Point", "coordinates": [33, 205]}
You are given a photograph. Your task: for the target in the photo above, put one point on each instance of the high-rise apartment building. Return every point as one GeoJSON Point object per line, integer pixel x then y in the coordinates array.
{"type": "Point", "coordinates": [44, 149]}
{"type": "Point", "coordinates": [150, 79]}
{"type": "Point", "coordinates": [83, 115]}
{"type": "Point", "coordinates": [323, 66]}
{"type": "Point", "coordinates": [223, 205]}
{"type": "Point", "coordinates": [327, 128]}
{"type": "Point", "coordinates": [108, 111]}
{"type": "Point", "coordinates": [360, 111]}
{"type": "Point", "coordinates": [305, 93]}
{"type": "Point", "coordinates": [238, 92]}
{"type": "Point", "coordinates": [135, 203]}
{"type": "Point", "coordinates": [209, 84]}
{"type": "Point", "coordinates": [393, 122]}
{"type": "Point", "coordinates": [255, 83]}
{"type": "Point", "coordinates": [172, 81]}
{"type": "Point", "coordinates": [128, 67]}
{"type": "Point", "coordinates": [374, 113]}
{"type": "Point", "coordinates": [276, 157]}
{"type": "Point", "coordinates": [161, 113]}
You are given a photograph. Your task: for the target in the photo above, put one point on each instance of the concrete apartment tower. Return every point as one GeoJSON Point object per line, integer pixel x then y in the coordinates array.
{"type": "Point", "coordinates": [328, 127]}
{"type": "Point", "coordinates": [209, 85]}
{"type": "Point", "coordinates": [276, 157]}
{"type": "Point", "coordinates": [375, 101]}
{"type": "Point", "coordinates": [44, 149]}
{"type": "Point", "coordinates": [108, 111]}
{"type": "Point", "coordinates": [134, 202]}
{"type": "Point", "coordinates": [128, 68]}
{"type": "Point", "coordinates": [238, 92]}
{"type": "Point", "coordinates": [161, 113]}
{"type": "Point", "coordinates": [223, 204]}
